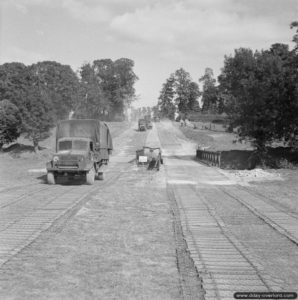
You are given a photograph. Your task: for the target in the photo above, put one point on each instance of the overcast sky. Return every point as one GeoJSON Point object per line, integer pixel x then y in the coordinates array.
{"type": "Point", "coordinates": [159, 35]}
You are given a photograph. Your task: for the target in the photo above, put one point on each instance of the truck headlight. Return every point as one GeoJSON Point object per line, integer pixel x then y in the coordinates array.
{"type": "Point", "coordinates": [55, 158]}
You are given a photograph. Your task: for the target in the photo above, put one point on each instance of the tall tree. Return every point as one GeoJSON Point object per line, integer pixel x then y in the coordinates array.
{"type": "Point", "coordinates": [20, 85]}
{"type": "Point", "coordinates": [117, 81]}
{"type": "Point", "coordinates": [178, 94]}
{"type": "Point", "coordinates": [61, 85]}
{"type": "Point", "coordinates": [93, 103]}
{"type": "Point", "coordinates": [166, 99]}
{"type": "Point", "coordinates": [108, 88]}
{"type": "Point", "coordinates": [126, 79]}
{"type": "Point", "coordinates": [10, 122]}
{"type": "Point", "coordinates": [193, 95]}
{"type": "Point", "coordinates": [38, 117]}
{"type": "Point", "coordinates": [182, 89]}
{"type": "Point", "coordinates": [262, 93]}
{"type": "Point", "coordinates": [210, 97]}
{"type": "Point", "coordinates": [14, 84]}
{"type": "Point", "coordinates": [295, 37]}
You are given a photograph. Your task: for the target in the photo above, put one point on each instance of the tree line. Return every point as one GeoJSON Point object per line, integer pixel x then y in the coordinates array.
{"type": "Point", "coordinates": [178, 93]}
{"type": "Point", "coordinates": [258, 90]}
{"type": "Point", "coordinates": [33, 98]}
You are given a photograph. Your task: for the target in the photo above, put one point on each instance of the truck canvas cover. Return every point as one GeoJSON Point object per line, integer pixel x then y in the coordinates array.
{"type": "Point", "coordinates": [92, 129]}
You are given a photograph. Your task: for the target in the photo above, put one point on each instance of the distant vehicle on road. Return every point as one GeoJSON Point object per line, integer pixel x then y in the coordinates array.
{"type": "Point", "coordinates": [147, 118]}
{"type": "Point", "coordinates": [148, 121]}
{"type": "Point", "coordinates": [142, 125]}
{"type": "Point", "coordinates": [149, 156]}
{"type": "Point", "coordinates": [149, 124]}
{"type": "Point", "coordinates": [156, 119]}
{"type": "Point", "coordinates": [82, 148]}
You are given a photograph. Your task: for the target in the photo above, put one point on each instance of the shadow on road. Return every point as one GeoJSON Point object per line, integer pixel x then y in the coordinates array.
{"type": "Point", "coordinates": [76, 180]}
{"type": "Point", "coordinates": [20, 148]}
{"type": "Point", "coordinates": [181, 157]}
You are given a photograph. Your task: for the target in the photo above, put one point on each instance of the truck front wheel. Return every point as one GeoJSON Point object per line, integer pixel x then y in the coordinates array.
{"type": "Point", "coordinates": [90, 176]}
{"type": "Point", "coordinates": [50, 178]}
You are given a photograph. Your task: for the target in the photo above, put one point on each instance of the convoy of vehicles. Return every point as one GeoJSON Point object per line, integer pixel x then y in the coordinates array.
{"type": "Point", "coordinates": [149, 124]}
{"type": "Point", "coordinates": [148, 121]}
{"type": "Point", "coordinates": [82, 149]}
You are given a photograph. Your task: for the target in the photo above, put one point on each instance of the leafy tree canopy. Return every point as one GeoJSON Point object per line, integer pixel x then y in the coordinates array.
{"type": "Point", "coordinates": [178, 92]}
{"type": "Point", "coordinates": [261, 94]}
{"type": "Point", "coordinates": [210, 98]}
{"type": "Point", "coordinates": [166, 99]}
{"type": "Point", "coordinates": [10, 122]}
{"type": "Point", "coordinates": [108, 87]}
{"type": "Point", "coordinates": [61, 85]}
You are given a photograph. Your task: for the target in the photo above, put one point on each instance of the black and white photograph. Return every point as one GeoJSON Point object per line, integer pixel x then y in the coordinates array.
{"type": "Point", "coordinates": [148, 149]}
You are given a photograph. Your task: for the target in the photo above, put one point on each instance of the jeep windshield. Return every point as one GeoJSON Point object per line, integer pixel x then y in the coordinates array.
{"type": "Point", "coordinates": [73, 145]}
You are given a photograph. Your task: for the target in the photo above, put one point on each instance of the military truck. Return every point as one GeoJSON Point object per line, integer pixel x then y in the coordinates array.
{"type": "Point", "coordinates": [142, 125]}
{"type": "Point", "coordinates": [148, 124]}
{"type": "Point", "coordinates": [82, 149]}
{"type": "Point", "coordinates": [148, 121]}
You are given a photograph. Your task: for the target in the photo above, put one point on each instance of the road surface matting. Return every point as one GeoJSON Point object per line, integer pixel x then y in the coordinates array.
{"type": "Point", "coordinates": [225, 235]}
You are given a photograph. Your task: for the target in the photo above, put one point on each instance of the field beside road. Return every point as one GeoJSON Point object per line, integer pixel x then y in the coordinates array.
{"type": "Point", "coordinates": [213, 140]}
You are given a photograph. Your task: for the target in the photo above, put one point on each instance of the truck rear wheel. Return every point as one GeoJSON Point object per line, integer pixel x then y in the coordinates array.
{"type": "Point", "coordinates": [50, 178]}
{"type": "Point", "coordinates": [90, 176]}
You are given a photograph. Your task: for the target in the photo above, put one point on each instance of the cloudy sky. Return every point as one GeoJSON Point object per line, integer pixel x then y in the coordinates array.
{"type": "Point", "coordinates": [159, 35]}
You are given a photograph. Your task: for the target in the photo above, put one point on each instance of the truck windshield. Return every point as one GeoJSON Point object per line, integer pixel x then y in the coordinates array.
{"type": "Point", "coordinates": [73, 145]}
{"type": "Point", "coordinates": [65, 145]}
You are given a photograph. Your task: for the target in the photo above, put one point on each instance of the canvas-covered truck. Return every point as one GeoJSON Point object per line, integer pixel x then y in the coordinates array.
{"type": "Point", "coordinates": [148, 121]}
{"type": "Point", "coordinates": [82, 149]}
{"type": "Point", "coordinates": [142, 125]}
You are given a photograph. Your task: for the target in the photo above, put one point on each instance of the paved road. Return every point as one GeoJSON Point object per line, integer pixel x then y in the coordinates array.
{"type": "Point", "coordinates": [237, 240]}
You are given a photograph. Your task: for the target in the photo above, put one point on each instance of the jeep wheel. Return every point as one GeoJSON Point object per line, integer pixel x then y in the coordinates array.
{"type": "Point", "coordinates": [158, 165]}
{"type": "Point", "coordinates": [90, 176]}
{"type": "Point", "coordinates": [50, 178]}
{"type": "Point", "coordinates": [100, 176]}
